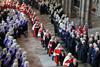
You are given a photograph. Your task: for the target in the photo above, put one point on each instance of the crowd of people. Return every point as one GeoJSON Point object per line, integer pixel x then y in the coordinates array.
{"type": "Point", "coordinates": [13, 24]}
{"type": "Point", "coordinates": [78, 44]}
{"type": "Point", "coordinates": [77, 41]}
{"type": "Point", "coordinates": [52, 44]}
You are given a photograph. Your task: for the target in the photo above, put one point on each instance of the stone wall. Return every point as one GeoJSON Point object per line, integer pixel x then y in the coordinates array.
{"type": "Point", "coordinates": [98, 9]}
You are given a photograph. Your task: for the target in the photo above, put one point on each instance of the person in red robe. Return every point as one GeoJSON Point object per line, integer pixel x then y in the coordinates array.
{"type": "Point", "coordinates": [8, 3]}
{"type": "Point", "coordinates": [13, 6]}
{"type": "Point", "coordinates": [46, 39]}
{"type": "Point", "coordinates": [18, 6]}
{"type": "Point", "coordinates": [51, 44]}
{"type": "Point", "coordinates": [31, 16]}
{"type": "Point", "coordinates": [29, 10]}
{"type": "Point", "coordinates": [4, 5]}
{"type": "Point", "coordinates": [69, 61]}
{"type": "Point", "coordinates": [40, 32]}
{"type": "Point", "coordinates": [56, 53]}
{"type": "Point", "coordinates": [23, 8]}
{"type": "Point", "coordinates": [35, 29]}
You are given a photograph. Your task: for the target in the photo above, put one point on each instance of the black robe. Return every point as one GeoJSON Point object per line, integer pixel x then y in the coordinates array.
{"type": "Point", "coordinates": [83, 53]}
{"type": "Point", "coordinates": [90, 52]}
{"type": "Point", "coordinates": [73, 46]}
{"type": "Point", "coordinates": [96, 59]}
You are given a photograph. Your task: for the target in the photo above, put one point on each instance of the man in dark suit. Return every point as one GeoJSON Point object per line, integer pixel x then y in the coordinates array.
{"type": "Point", "coordinates": [96, 57]}
{"type": "Point", "coordinates": [83, 52]}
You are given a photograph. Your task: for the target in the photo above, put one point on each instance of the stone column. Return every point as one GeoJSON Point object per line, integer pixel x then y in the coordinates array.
{"type": "Point", "coordinates": [62, 2]}
{"type": "Point", "coordinates": [82, 12]}
{"type": "Point", "coordinates": [88, 13]}
{"type": "Point", "coordinates": [98, 9]}
{"type": "Point", "coordinates": [68, 7]}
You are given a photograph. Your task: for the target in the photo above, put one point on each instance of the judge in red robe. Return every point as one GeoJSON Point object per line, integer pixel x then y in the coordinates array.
{"type": "Point", "coordinates": [56, 53]}
{"type": "Point", "coordinates": [29, 10]}
{"type": "Point", "coordinates": [23, 8]}
{"type": "Point", "coordinates": [8, 3]}
{"type": "Point", "coordinates": [18, 6]}
{"type": "Point", "coordinates": [13, 5]}
{"type": "Point", "coordinates": [46, 39]}
{"type": "Point", "coordinates": [4, 5]}
{"type": "Point", "coordinates": [40, 32]}
{"type": "Point", "coordinates": [69, 61]}
{"type": "Point", "coordinates": [35, 29]}
{"type": "Point", "coordinates": [51, 44]}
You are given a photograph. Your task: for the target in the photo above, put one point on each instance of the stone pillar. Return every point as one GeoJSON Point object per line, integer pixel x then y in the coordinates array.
{"type": "Point", "coordinates": [82, 11]}
{"type": "Point", "coordinates": [88, 13]}
{"type": "Point", "coordinates": [98, 9]}
{"type": "Point", "coordinates": [63, 3]}
{"type": "Point", "coordinates": [68, 7]}
{"type": "Point", "coordinates": [85, 12]}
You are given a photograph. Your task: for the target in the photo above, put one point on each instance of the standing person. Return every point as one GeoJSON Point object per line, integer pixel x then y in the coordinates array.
{"type": "Point", "coordinates": [46, 38]}
{"type": "Point", "coordinates": [96, 57]}
{"type": "Point", "coordinates": [78, 47]}
{"type": "Point", "coordinates": [56, 53]}
{"type": "Point", "coordinates": [3, 54]}
{"type": "Point", "coordinates": [56, 19]}
{"type": "Point", "coordinates": [84, 50]}
{"type": "Point", "coordinates": [51, 44]}
{"type": "Point", "coordinates": [72, 44]}
{"type": "Point", "coordinates": [15, 30]}
{"type": "Point", "coordinates": [18, 6]}
{"type": "Point", "coordinates": [41, 33]}
{"type": "Point", "coordinates": [61, 57]}
{"type": "Point", "coordinates": [69, 61]}
{"type": "Point", "coordinates": [90, 52]}
{"type": "Point", "coordinates": [7, 60]}
{"type": "Point", "coordinates": [98, 44]}
{"type": "Point", "coordinates": [15, 64]}
{"type": "Point", "coordinates": [35, 28]}
{"type": "Point", "coordinates": [23, 8]}
{"type": "Point", "coordinates": [42, 7]}
{"type": "Point", "coordinates": [26, 64]}
{"type": "Point", "coordinates": [2, 37]}
{"type": "Point", "coordinates": [25, 26]}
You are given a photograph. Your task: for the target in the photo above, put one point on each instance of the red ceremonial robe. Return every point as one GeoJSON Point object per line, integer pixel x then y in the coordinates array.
{"type": "Point", "coordinates": [39, 34]}
{"type": "Point", "coordinates": [50, 47]}
{"type": "Point", "coordinates": [68, 62]}
{"type": "Point", "coordinates": [36, 28]}
{"type": "Point", "coordinates": [56, 54]}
